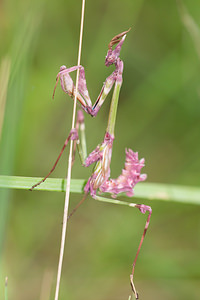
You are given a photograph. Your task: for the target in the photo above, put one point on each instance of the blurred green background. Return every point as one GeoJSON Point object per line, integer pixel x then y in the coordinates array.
{"type": "Point", "coordinates": [158, 115]}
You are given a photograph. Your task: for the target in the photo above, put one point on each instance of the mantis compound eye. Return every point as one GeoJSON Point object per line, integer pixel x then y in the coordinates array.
{"type": "Point", "coordinates": [62, 68]}
{"type": "Point", "coordinates": [110, 58]}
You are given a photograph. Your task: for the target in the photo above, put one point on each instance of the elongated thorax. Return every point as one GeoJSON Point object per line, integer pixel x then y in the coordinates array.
{"type": "Point", "coordinates": [101, 171]}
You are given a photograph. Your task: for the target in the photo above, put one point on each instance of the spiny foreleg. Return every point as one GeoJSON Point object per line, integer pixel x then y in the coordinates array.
{"type": "Point", "coordinates": [112, 58]}
{"type": "Point", "coordinates": [83, 97]}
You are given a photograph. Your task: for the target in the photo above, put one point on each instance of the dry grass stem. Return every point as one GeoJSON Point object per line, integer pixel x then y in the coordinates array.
{"type": "Point", "coordinates": [64, 228]}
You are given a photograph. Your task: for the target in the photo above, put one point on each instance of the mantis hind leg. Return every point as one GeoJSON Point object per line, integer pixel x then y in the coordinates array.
{"type": "Point", "coordinates": [143, 209]}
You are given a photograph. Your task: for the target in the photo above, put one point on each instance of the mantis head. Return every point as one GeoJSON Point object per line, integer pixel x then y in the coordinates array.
{"type": "Point", "coordinates": [112, 55]}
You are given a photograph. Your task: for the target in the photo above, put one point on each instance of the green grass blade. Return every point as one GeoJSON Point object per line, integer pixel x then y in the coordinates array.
{"type": "Point", "coordinates": [168, 192]}
{"type": "Point", "coordinates": [19, 63]}
{"type": "Point", "coordinates": [150, 191]}
{"type": "Point", "coordinates": [4, 77]}
{"type": "Point", "coordinates": [6, 288]}
{"type": "Point", "coordinates": [191, 26]}
{"type": "Point", "coordinates": [50, 184]}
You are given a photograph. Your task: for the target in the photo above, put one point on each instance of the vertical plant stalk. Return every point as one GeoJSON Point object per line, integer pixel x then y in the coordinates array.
{"type": "Point", "coordinates": [64, 227]}
{"type": "Point", "coordinates": [4, 78]}
{"type": "Point", "coordinates": [6, 288]}
{"type": "Point", "coordinates": [190, 25]}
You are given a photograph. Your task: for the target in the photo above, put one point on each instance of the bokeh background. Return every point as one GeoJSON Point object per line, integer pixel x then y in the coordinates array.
{"type": "Point", "coordinates": [158, 115]}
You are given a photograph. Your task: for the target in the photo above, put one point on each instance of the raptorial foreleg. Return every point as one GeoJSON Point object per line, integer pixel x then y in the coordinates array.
{"type": "Point", "coordinates": [82, 94]}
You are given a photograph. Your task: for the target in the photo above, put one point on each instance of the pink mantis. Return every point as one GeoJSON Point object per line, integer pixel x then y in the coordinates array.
{"type": "Point", "coordinates": [100, 181]}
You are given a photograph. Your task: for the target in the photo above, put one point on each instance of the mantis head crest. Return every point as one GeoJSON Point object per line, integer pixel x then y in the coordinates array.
{"type": "Point", "coordinates": [112, 55]}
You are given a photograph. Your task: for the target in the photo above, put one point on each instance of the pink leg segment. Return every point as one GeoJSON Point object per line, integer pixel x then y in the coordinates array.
{"type": "Point", "coordinates": [82, 93]}
{"type": "Point", "coordinates": [143, 208]}
{"type": "Point", "coordinates": [72, 136]}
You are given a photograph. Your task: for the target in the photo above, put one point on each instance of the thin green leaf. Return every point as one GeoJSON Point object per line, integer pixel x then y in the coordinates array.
{"type": "Point", "coordinates": [50, 184]}
{"type": "Point", "coordinates": [13, 87]}
{"type": "Point", "coordinates": [150, 191]}
{"type": "Point", "coordinates": [190, 25]}
{"type": "Point", "coordinates": [6, 288]}
{"type": "Point", "coordinates": [4, 77]}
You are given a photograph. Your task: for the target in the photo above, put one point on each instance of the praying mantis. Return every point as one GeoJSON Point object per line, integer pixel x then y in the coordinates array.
{"type": "Point", "coordinates": [99, 181]}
